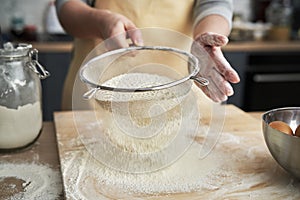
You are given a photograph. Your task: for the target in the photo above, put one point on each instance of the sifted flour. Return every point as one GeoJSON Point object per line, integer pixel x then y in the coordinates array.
{"type": "Point", "coordinates": [19, 127]}
{"type": "Point", "coordinates": [226, 173]}
{"type": "Point", "coordinates": [142, 131]}
{"type": "Point", "coordinates": [29, 181]}
{"type": "Point", "coordinates": [140, 103]}
{"type": "Point", "coordinates": [187, 174]}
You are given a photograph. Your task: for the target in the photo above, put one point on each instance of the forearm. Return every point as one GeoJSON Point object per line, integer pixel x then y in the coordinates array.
{"type": "Point", "coordinates": [212, 23]}
{"type": "Point", "coordinates": [212, 16]}
{"type": "Point", "coordinates": [78, 19]}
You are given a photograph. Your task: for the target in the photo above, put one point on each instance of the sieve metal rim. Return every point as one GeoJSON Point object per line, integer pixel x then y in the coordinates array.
{"type": "Point", "coordinates": [202, 81]}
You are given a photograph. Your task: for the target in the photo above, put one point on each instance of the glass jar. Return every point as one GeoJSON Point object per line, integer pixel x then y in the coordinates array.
{"type": "Point", "coordinates": [20, 96]}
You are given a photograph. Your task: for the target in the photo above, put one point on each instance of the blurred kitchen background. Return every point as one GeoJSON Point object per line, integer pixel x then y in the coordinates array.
{"type": "Point", "coordinates": [264, 48]}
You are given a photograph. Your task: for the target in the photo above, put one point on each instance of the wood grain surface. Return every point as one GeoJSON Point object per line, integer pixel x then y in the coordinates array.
{"type": "Point", "coordinates": [252, 172]}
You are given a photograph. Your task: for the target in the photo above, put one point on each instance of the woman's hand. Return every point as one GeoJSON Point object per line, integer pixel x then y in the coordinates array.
{"type": "Point", "coordinates": [83, 21]}
{"type": "Point", "coordinates": [214, 67]}
{"type": "Point", "coordinates": [117, 28]}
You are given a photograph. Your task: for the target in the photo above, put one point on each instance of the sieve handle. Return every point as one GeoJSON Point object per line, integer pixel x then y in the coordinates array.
{"type": "Point", "coordinates": [202, 81]}
{"type": "Point", "coordinates": [89, 94]}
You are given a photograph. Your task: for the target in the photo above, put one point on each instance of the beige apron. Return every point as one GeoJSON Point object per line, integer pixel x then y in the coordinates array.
{"type": "Point", "coordinates": [169, 14]}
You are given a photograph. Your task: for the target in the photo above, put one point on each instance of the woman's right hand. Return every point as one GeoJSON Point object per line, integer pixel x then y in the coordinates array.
{"type": "Point", "coordinates": [117, 28]}
{"type": "Point", "coordinates": [83, 21]}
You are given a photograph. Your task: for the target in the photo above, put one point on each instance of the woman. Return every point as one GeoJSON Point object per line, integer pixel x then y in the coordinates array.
{"type": "Point", "coordinates": [207, 21]}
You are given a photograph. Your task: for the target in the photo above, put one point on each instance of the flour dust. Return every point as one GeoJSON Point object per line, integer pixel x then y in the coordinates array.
{"type": "Point", "coordinates": [30, 181]}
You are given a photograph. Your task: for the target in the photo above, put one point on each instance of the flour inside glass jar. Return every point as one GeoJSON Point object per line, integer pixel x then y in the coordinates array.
{"type": "Point", "coordinates": [19, 127]}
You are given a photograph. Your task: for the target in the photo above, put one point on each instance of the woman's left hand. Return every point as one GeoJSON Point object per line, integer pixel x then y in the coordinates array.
{"type": "Point", "coordinates": [214, 66]}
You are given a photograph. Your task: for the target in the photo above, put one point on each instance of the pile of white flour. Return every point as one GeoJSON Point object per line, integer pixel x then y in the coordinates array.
{"type": "Point", "coordinates": [38, 181]}
{"type": "Point", "coordinates": [223, 174]}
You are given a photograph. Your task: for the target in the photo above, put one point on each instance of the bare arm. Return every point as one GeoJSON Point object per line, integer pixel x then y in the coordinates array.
{"type": "Point", "coordinates": [77, 19]}
{"type": "Point", "coordinates": [83, 21]}
{"type": "Point", "coordinates": [212, 23]}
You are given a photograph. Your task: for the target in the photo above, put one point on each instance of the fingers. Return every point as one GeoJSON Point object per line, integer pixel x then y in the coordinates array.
{"type": "Point", "coordinates": [116, 42]}
{"type": "Point", "coordinates": [135, 36]}
{"type": "Point", "coordinates": [212, 39]}
{"type": "Point", "coordinates": [212, 43]}
{"type": "Point", "coordinates": [218, 89]}
{"type": "Point", "coordinates": [223, 66]}
{"type": "Point", "coordinates": [219, 82]}
{"type": "Point", "coordinates": [119, 31]}
{"type": "Point", "coordinates": [213, 95]}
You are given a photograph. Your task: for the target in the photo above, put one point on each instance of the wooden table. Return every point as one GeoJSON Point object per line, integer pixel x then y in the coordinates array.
{"type": "Point", "coordinates": [254, 173]}
{"type": "Point", "coordinates": [45, 150]}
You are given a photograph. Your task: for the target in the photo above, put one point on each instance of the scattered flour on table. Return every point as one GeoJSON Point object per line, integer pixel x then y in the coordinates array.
{"type": "Point", "coordinates": [38, 182]}
{"type": "Point", "coordinates": [225, 174]}
{"type": "Point", "coordinates": [86, 178]}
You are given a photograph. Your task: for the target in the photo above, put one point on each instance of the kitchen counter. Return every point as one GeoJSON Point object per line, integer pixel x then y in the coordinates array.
{"type": "Point", "coordinates": [247, 46]}
{"type": "Point", "coordinates": [248, 172]}
{"type": "Point", "coordinates": [263, 46]}
{"type": "Point", "coordinates": [45, 151]}
{"type": "Point", "coordinates": [50, 47]}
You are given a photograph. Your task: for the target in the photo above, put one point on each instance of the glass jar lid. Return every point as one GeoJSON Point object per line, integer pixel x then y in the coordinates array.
{"type": "Point", "coordinates": [12, 51]}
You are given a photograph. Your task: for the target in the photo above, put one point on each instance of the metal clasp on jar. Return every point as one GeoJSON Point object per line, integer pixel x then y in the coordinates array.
{"type": "Point", "coordinates": [35, 66]}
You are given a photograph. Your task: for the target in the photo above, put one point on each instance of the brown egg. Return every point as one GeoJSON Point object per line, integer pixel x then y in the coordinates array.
{"type": "Point", "coordinates": [282, 127]}
{"type": "Point", "coordinates": [297, 132]}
